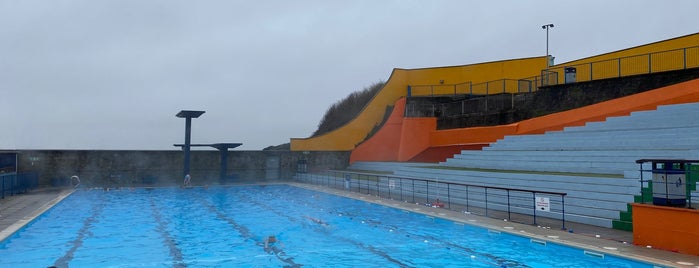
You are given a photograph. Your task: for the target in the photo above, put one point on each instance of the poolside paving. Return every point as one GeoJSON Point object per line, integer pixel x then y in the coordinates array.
{"type": "Point", "coordinates": [18, 210]}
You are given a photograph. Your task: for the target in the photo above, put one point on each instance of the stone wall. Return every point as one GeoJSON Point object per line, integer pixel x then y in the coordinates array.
{"type": "Point", "coordinates": [107, 168]}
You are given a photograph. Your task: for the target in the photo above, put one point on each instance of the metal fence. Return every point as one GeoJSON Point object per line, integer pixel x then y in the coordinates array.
{"type": "Point", "coordinates": [520, 205]}
{"type": "Point", "coordinates": [527, 85]}
{"type": "Point", "coordinates": [671, 60]}
{"type": "Point", "coordinates": [14, 183]}
{"type": "Point", "coordinates": [441, 90]}
{"type": "Point", "coordinates": [489, 104]}
{"type": "Point", "coordinates": [503, 94]}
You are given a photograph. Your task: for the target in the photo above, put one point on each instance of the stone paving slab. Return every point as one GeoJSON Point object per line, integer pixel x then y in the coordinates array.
{"type": "Point", "coordinates": [18, 210]}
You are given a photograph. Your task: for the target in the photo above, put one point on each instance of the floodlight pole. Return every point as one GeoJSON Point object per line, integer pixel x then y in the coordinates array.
{"type": "Point", "coordinates": [548, 57]}
{"type": "Point", "coordinates": [187, 115]}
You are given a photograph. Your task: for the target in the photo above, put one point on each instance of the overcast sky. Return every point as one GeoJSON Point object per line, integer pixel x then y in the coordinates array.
{"type": "Point", "coordinates": [112, 74]}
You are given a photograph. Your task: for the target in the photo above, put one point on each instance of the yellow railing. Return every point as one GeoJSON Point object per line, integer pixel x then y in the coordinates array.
{"type": "Point", "coordinates": [671, 60]}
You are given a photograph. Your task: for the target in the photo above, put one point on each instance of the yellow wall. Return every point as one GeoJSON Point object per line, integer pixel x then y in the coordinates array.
{"type": "Point", "coordinates": [666, 55]}
{"type": "Point", "coordinates": [351, 134]}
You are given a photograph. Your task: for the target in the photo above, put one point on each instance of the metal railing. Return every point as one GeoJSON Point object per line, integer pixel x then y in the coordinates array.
{"type": "Point", "coordinates": [671, 60]}
{"type": "Point", "coordinates": [499, 86]}
{"type": "Point", "coordinates": [440, 90]}
{"type": "Point", "coordinates": [497, 202]}
{"type": "Point", "coordinates": [504, 94]}
{"type": "Point", "coordinates": [489, 104]}
{"type": "Point", "coordinates": [14, 183]}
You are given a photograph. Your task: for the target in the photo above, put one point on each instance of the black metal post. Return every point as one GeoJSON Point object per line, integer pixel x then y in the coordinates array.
{"type": "Point", "coordinates": [563, 209]}
{"type": "Point", "coordinates": [546, 27]}
{"type": "Point", "coordinates": [508, 205]}
{"type": "Point", "coordinates": [224, 163]}
{"type": "Point", "coordinates": [187, 115]}
{"type": "Point", "coordinates": [486, 201]}
{"type": "Point", "coordinates": [187, 143]}
{"type": "Point", "coordinates": [534, 201]}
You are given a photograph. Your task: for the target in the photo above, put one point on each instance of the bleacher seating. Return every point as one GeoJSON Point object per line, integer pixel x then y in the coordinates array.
{"type": "Point", "coordinates": [594, 164]}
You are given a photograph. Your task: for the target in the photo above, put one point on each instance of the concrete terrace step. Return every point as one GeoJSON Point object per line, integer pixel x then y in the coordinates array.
{"type": "Point", "coordinates": [587, 197]}
{"type": "Point", "coordinates": [546, 165]}
{"type": "Point", "coordinates": [530, 181]}
{"type": "Point", "coordinates": [383, 166]}
{"type": "Point", "coordinates": [660, 140]}
{"type": "Point", "coordinates": [664, 116]}
{"type": "Point", "coordinates": [657, 133]}
{"type": "Point", "coordinates": [620, 145]}
{"type": "Point", "coordinates": [505, 155]}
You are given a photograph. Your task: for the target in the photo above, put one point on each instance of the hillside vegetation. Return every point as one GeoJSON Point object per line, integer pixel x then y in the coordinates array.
{"type": "Point", "coordinates": [341, 112]}
{"type": "Point", "coordinates": [346, 109]}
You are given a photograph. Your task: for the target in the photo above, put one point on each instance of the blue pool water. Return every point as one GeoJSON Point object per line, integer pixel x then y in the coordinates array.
{"type": "Point", "coordinates": [227, 227]}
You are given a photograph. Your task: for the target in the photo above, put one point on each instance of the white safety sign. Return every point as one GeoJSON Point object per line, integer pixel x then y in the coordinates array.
{"type": "Point", "coordinates": [543, 204]}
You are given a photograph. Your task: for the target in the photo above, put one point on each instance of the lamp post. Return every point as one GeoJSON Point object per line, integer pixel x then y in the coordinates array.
{"type": "Point", "coordinates": [546, 27]}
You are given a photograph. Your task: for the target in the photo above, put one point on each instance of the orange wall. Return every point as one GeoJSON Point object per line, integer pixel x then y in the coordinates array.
{"type": "Point", "coordinates": [667, 228]}
{"type": "Point", "coordinates": [412, 134]}
{"type": "Point", "coordinates": [440, 153]}
{"type": "Point", "coordinates": [472, 135]}
{"type": "Point", "coordinates": [398, 140]}
{"type": "Point", "coordinates": [415, 137]}
{"type": "Point", "coordinates": [384, 148]}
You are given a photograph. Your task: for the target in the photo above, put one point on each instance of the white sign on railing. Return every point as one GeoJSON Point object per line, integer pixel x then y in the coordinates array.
{"type": "Point", "coordinates": [543, 204]}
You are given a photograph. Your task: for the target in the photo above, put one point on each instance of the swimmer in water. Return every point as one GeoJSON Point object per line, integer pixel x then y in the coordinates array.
{"type": "Point", "coordinates": [270, 240]}
{"type": "Point", "coordinates": [187, 180]}
{"type": "Point", "coordinates": [318, 221]}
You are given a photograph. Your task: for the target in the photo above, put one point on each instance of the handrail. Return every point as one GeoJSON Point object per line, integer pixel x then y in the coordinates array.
{"type": "Point", "coordinates": [647, 63]}
{"type": "Point", "coordinates": [490, 199]}
{"type": "Point", "coordinates": [463, 88]}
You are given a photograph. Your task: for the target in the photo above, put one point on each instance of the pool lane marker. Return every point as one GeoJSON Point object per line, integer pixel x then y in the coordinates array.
{"type": "Point", "coordinates": [168, 240]}
{"type": "Point", "coordinates": [82, 233]}
{"type": "Point", "coordinates": [489, 259]}
{"type": "Point", "coordinates": [358, 244]}
{"type": "Point", "coordinates": [245, 232]}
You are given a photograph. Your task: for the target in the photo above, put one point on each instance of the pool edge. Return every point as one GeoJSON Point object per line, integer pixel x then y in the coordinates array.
{"type": "Point", "coordinates": [10, 230]}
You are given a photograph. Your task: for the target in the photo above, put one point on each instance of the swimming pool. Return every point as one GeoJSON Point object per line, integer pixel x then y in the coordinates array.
{"type": "Point", "coordinates": [228, 226]}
